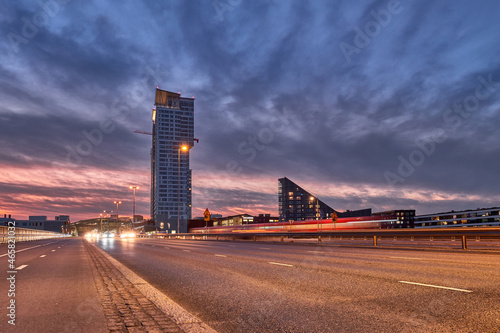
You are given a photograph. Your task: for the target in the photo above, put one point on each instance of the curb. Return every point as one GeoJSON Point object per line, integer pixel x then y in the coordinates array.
{"type": "Point", "coordinates": [185, 320]}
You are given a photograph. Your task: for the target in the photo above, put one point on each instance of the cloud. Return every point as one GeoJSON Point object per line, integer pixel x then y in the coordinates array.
{"type": "Point", "coordinates": [275, 97]}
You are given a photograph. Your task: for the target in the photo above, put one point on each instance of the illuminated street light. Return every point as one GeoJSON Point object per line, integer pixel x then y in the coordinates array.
{"type": "Point", "coordinates": [117, 203]}
{"type": "Point", "coordinates": [179, 148]}
{"type": "Point", "coordinates": [133, 210]}
{"type": "Point", "coordinates": [117, 217]}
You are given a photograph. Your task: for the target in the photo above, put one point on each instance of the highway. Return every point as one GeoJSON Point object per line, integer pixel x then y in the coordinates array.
{"type": "Point", "coordinates": [269, 287]}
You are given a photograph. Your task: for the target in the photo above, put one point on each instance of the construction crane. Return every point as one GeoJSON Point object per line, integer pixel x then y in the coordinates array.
{"type": "Point", "coordinates": [149, 133]}
{"type": "Point", "coordinates": [141, 132]}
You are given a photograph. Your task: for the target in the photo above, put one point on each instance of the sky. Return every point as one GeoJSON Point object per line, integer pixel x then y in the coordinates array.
{"type": "Point", "coordinates": [365, 104]}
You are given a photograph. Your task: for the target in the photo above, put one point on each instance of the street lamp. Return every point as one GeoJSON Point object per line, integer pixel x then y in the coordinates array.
{"type": "Point", "coordinates": [117, 217]}
{"type": "Point", "coordinates": [179, 148]}
{"type": "Point", "coordinates": [117, 203]}
{"type": "Point", "coordinates": [133, 209]}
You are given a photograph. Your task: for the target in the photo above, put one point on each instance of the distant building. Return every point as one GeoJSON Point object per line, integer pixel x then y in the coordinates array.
{"type": "Point", "coordinates": [37, 218]}
{"type": "Point", "coordinates": [405, 217]}
{"type": "Point", "coordinates": [173, 127]}
{"type": "Point", "coordinates": [297, 204]}
{"type": "Point", "coordinates": [265, 218]}
{"type": "Point", "coordinates": [484, 217]}
{"type": "Point", "coordinates": [240, 219]}
{"type": "Point", "coordinates": [41, 223]}
{"type": "Point", "coordinates": [233, 220]}
{"type": "Point", "coordinates": [5, 220]}
{"type": "Point", "coordinates": [138, 218]}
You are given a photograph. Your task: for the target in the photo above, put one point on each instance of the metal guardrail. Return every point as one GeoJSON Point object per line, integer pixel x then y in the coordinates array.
{"type": "Point", "coordinates": [376, 235]}
{"type": "Point", "coordinates": [24, 234]}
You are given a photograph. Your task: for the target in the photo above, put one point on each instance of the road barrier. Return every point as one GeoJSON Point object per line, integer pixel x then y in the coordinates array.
{"type": "Point", "coordinates": [24, 235]}
{"type": "Point", "coordinates": [378, 235]}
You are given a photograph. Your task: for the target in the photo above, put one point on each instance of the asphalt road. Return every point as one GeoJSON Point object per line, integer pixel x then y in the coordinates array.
{"type": "Point", "coordinates": [259, 287]}
{"type": "Point", "coordinates": [54, 290]}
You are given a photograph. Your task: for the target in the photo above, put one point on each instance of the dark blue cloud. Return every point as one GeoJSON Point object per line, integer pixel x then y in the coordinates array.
{"type": "Point", "coordinates": [349, 120]}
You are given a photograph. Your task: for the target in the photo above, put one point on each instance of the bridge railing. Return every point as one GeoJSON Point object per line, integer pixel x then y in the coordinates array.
{"type": "Point", "coordinates": [375, 235]}
{"type": "Point", "coordinates": [24, 234]}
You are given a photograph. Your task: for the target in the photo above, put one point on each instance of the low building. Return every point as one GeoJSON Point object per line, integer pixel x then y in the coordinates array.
{"type": "Point", "coordinates": [234, 220]}
{"type": "Point", "coordinates": [240, 219]}
{"type": "Point", "coordinates": [405, 217]}
{"type": "Point", "coordinates": [6, 220]}
{"type": "Point", "coordinates": [41, 223]}
{"type": "Point", "coordinates": [481, 217]}
{"type": "Point", "coordinates": [265, 218]}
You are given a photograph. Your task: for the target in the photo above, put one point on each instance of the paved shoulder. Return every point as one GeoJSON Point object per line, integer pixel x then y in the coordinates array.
{"type": "Point", "coordinates": [128, 309]}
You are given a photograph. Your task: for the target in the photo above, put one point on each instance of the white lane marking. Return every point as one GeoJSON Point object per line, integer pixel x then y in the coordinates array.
{"type": "Point", "coordinates": [29, 248]}
{"type": "Point", "coordinates": [21, 267]}
{"type": "Point", "coordinates": [278, 263]}
{"type": "Point", "coordinates": [53, 250]}
{"type": "Point", "coordinates": [186, 250]}
{"type": "Point", "coordinates": [58, 247]}
{"type": "Point", "coordinates": [316, 251]}
{"type": "Point", "coordinates": [42, 256]}
{"type": "Point", "coordinates": [264, 248]}
{"type": "Point", "coordinates": [407, 258]}
{"type": "Point", "coordinates": [433, 286]}
{"type": "Point", "coordinates": [220, 255]}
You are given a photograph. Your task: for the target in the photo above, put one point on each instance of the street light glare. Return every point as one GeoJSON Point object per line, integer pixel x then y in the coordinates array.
{"type": "Point", "coordinates": [184, 147]}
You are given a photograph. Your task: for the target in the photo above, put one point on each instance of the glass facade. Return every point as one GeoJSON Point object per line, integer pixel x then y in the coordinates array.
{"type": "Point", "coordinates": [296, 204]}
{"type": "Point", "coordinates": [173, 128]}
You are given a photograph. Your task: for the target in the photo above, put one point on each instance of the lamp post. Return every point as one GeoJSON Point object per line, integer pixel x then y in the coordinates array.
{"type": "Point", "coordinates": [133, 209]}
{"type": "Point", "coordinates": [179, 148]}
{"type": "Point", "coordinates": [117, 203]}
{"type": "Point", "coordinates": [117, 217]}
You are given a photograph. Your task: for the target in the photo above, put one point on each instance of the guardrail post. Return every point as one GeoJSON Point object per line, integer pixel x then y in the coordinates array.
{"type": "Point", "coordinates": [319, 240]}
{"type": "Point", "coordinates": [254, 238]}
{"type": "Point", "coordinates": [464, 242]}
{"type": "Point", "coordinates": [375, 240]}
{"type": "Point", "coordinates": [281, 239]}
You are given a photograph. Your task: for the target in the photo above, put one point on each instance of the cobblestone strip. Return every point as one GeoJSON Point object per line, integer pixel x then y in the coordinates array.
{"type": "Point", "coordinates": [125, 308]}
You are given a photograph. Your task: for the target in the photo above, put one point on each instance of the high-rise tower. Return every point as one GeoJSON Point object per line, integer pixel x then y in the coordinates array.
{"type": "Point", "coordinates": [173, 137]}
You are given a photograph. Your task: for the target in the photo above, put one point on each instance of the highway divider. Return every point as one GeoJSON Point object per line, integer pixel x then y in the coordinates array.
{"type": "Point", "coordinates": [463, 235]}
{"type": "Point", "coordinates": [24, 234]}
